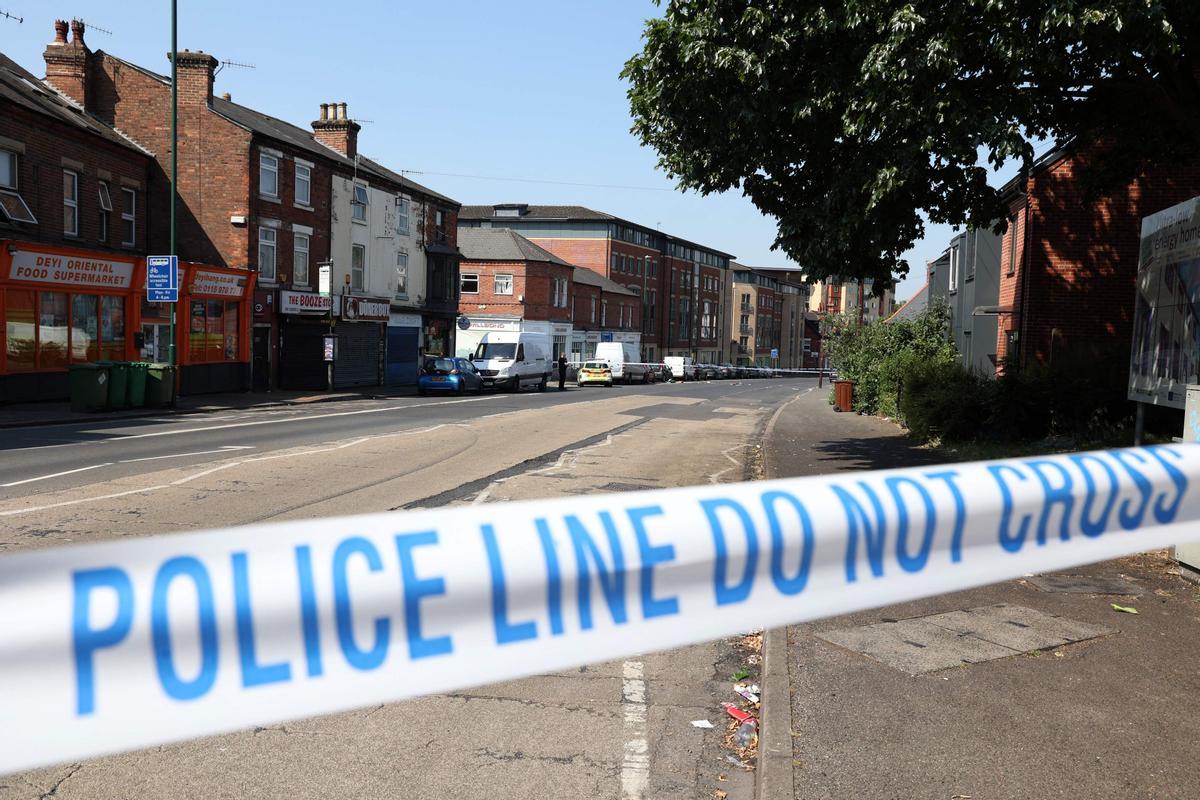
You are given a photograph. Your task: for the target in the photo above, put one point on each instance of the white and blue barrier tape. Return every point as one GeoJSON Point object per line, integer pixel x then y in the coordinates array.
{"type": "Point", "coordinates": [132, 643]}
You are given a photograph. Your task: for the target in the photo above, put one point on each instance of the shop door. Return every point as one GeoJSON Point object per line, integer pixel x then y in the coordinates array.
{"type": "Point", "coordinates": [302, 356]}
{"type": "Point", "coordinates": [358, 355]}
{"type": "Point", "coordinates": [260, 368]}
{"type": "Point", "coordinates": [156, 342]}
{"type": "Point", "coordinates": [402, 344]}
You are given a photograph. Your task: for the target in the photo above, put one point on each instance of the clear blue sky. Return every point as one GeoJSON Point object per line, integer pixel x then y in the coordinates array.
{"type": "Point", "coordinates": [519, 89]}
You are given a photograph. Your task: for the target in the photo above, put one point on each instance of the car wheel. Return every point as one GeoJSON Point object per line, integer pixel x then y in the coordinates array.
{"type": "Point", "coordinates": [421, 392]}
{"type": "Point", "coordinates": [515, 384]}
{"type": "Point", "coordinates": [461, 389]}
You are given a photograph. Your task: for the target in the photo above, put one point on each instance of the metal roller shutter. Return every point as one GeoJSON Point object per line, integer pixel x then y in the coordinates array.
{"type": "Point", "coordinates": [358, 355]}
{"type": "Point", "coordinates": [402, 346]}
{"type": "Point", "coordinates": [302, 355]}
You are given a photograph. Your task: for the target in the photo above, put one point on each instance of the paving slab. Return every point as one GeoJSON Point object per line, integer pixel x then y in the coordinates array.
{"type": "Point", "coordinates": [916, 646]}
{"type": "Point", "coordinates": [1085, 584]}
{"type": "Point", "coordinates": [1017, 627]}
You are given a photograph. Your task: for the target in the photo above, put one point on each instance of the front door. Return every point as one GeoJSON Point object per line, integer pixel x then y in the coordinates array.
{"type": "Point", "coordinates": [156, 339]}
{"type": "Point", "coordinates": [260, 368]}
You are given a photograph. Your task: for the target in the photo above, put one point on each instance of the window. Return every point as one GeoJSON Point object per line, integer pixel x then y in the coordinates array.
{"type": "Point", "coordinates": [12, 206]}
{"type": "Point", "coordinates": [105, 210]}
{"type": "Point", "coordinates": [128, 217]}
{"type": "Point", "coordinates": [358, 205]}
{"type": "Point", "coordinates": [213, 331]}
{"type": "Point", "coordinates": [303, 184]}
{"type": "Point", "coordinates": [469, 283]}
{"type": "Point", "coordinates": [48, 330]}
{"type": "Point", "coordinates": [402, 274]}
{"type": "Point", "coordinates": [953, 279]}
{"type": "Point", "coordinates": [402, 211]}
{"type": "Point", "coordinates": [358, 268]}
{"type": "Point", "coordinates": [266, 254]}
{"type": "Point", "coordinates": [614, 263]}
{"type": "Point", "coordinates": [651, 304]}
{"type": "Point", "coordinates": [268, 175]}
{"type": "Point", "coordinates": [504, 285]}
{"type": "Point", "coordinates": [653, 269]}
{"type": "Point", "coordinates": [300, 259]}
{"type": "Point", "coordinates": [439, 225]}
{"type": "Point", "coordinates": [1012, 244]}
{"type": "Point", "coordinates": [603, 313]}
{"type": "Point", "coordinates": [621, 315]}
{"type": "Point", "coordinates": [70, 203]}
{"type": "Point", "coordinates": [593, 315]}
{"type": "Point", "coordinates": [561, 290]}
{"type": "Point", "coordinates": [8, 170]}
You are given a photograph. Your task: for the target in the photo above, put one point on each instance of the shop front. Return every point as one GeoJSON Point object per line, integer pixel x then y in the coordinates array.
{"type": "Point", "coordinates": [360, 342]}
{"type": "Point", "coordinates": [61, 306]}
{"type": "Point", "coordinates": [439, 334]}
{"type": "Point", "coordinates": [213, 343]}
{"type": "Point", "coordinates": [305, 318]}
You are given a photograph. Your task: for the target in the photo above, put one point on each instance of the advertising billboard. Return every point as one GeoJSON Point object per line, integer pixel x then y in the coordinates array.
{"type": "Point", "coordinates": [1166, 323]}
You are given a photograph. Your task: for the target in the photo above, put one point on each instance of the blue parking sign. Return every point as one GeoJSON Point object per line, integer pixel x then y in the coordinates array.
{"type": "Point", "coordinates": [162, 279]}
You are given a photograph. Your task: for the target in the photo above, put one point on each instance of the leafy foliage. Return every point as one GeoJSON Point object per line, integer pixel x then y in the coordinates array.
{"type": "Point", "coordinates": [847, 120]}
{"type": "Point", "coordinates": [877, 357]}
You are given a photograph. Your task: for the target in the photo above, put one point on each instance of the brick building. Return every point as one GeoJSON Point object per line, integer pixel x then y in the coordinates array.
{"type": "Point", "coordinates": [682, 285]}
{"type": "Point", "coordinates": [769, 314]}
{"type": "Point", "coordinates": [73, 228]}
{"type": "Point", "coordinates": [856, 298]}
{"type": "Point", "coordinates": [1068, 262]}
{"type": "Point", "coordinates": [508, 283]}
{"type": "Point", "coordinates": [256, 197]}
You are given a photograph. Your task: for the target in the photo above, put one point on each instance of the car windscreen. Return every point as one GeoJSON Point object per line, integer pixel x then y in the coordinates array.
{"type": "Point", "coordinates": [487, 350]}
{"type": "Point", "coordinates": [439, 366]}
{"type": "Point", "coordinates": [596, 365]}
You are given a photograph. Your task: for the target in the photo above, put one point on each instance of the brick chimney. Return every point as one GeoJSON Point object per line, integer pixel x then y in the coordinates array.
{"type": "Point", "coordinates": [334, 129]}
{"type": "Point", "coordinates": [195, 71]}
{"type": "Point", "coordinates": [68, 63]}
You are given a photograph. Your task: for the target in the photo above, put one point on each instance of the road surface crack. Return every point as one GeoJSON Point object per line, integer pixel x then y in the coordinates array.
{"type": "Point", "coordinates": [53, 790]}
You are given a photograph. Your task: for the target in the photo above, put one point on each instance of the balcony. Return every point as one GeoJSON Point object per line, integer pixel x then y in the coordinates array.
{"type": "Point", "coordinates": [746, 329]}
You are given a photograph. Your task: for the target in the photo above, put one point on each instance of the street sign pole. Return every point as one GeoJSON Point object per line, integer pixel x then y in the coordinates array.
{"type": "Point", "coordinates": [174, 165]}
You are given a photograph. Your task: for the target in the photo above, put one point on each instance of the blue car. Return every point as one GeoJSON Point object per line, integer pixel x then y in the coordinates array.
{"type": "Point", "coordinates": [456, 375]}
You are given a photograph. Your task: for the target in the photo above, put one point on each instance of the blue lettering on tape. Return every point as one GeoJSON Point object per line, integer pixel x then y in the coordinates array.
{"type": "Point", "coordinates": [722, 590]}
{"type": "Point", "coordinates": [1008, 540]}
{"type": "Point", "coordinates": [356, 656]}
{"type": "Point", "coordinates": [1093, 527]}
{"type": "Point", "coordinates": [910, 562]}
{"type": "Point", "coordinates": [160, 628]}
{"type": "Point", "coordinates": [417, 589]}
{"type": "Point", "coordinates": [651, 556]}
{"type": "Point", "coordinates": [1055, 495]}
{"type": "Point", "coordinates": [253, 673]}
{"type": "Point", "coordinates": [1132, 519]}
{"type": "Point", "coordinates": [553, 577]}
{"type": "Point", "coordinates": [795, 583]}
{"type": "Point", "coordinates": [960, 511]}
{"type": "Point", "coordinates": [611, 579]}
{"type": "Point", "coordinates": [874, 535]}
{"type": "Point", "coordinates": [1166, 513]}
{"type": "Point", "coordinates": [506, 632]}
{"type": "Point", "coordinates": [308, 611]}
{"type": "Point", "coordinates": [86, 640]}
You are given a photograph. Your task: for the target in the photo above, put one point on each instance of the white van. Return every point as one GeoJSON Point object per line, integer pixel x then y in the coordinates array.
{"type": "Point", "coordinates": [682, 368]}
{"type": "Point", "coordinates": [624, 361]}
{"type": "Point", "coordinates": [511, 359]}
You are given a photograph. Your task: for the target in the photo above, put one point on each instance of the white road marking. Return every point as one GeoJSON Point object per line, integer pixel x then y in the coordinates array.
{"type": "Point", "coordinates": [57, 474]}
{"type": "Point", "coordinates": [297, 419]}
{"type": "Point", "coordinates": [15, 512]}
{"type": "Point", "coordinates": [229, 448]}
{"type": "Point", "coordinates": [635, 767]}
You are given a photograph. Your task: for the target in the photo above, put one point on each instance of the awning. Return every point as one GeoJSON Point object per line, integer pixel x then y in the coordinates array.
{"type": "Point", "coordinates": [981, 311]}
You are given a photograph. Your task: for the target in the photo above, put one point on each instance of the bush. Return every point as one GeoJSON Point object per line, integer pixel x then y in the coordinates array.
{"type": "Point", "coordinates": [945, 402]}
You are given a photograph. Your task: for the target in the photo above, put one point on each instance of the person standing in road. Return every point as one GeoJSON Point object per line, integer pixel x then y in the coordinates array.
{"type": "Point", "coordinates": [562, 372]}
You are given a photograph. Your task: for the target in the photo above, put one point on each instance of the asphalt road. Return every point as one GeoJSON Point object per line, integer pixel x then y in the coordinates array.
{"type": "Point", "coordinates": [619, 731]}
{"type": "Point", "coordinates": [36, 460]}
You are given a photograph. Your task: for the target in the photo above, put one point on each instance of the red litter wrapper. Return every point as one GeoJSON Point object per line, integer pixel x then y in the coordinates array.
{"type": "Point", "coordinates": [736, 713]}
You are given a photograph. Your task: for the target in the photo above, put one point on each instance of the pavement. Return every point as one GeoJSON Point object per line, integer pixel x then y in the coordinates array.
{"type": "Point", "coordinates": [1028, 688]}
{"type": "Point", "coordinates": [20, 415]}
{"type": "Point", "coordinates": [619, 731]}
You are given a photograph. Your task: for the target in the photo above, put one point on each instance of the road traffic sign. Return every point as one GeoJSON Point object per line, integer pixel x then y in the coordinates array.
{"type": "Point", "coordinates": [162, 279]}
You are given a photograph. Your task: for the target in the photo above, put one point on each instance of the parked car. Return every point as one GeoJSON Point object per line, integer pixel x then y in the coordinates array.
{"type": "Point", "coordinates": [593, 372]}
{"type": "Point", "coordinates": [510, 360]}
{"type": "Point", "coordinates": [625, 361]}
{"type": "Point", "coordinates": [682, 367]}
{"type": "Point", "coordinates": [707, 372]}
{"type": "Point", "coordinates": [727, 371]}
{"type": "Point", "coordinates": [448, 375]}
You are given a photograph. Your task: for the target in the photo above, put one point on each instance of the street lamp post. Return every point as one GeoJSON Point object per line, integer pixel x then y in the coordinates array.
{"type": "Point", "coordinates": [174, 173]}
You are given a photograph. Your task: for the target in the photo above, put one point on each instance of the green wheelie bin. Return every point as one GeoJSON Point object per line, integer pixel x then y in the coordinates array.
{"type": "Point", "coordinates": [88, 386]}
{"type": "Point", "coordinates": [136, 396]}
{"type": "Point", "coordinates": [160, 385]}
{"type": "Point", "coordinates": [118, 383]}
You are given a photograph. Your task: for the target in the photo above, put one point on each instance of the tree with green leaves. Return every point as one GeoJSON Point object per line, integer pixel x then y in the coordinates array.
{"type": "Point", "coordinates": [847, 120]}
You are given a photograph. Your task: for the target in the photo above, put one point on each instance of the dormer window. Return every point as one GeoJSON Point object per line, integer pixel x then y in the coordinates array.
{"type": "Point", "coordinates": [510, 211]}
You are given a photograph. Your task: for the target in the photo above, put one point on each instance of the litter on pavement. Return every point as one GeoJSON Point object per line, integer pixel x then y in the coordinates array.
{"type": "Point", "coordinates": [701, 723]}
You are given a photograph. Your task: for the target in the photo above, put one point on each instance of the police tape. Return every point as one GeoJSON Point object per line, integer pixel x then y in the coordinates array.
{"type": "Point", "coordinates": [126, 644]}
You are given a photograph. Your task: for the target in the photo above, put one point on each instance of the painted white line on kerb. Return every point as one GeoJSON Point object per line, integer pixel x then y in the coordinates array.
{"type": "Point", "coordinates": [229, 448]}
{"type": "Point", "coordinates": [635, 766]}
{"type": "Point", "coordinates": [57, 474]}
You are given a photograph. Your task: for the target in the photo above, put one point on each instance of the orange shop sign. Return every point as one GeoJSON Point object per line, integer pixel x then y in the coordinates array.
{"type": "Point", "coordinates": [29, 265]}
